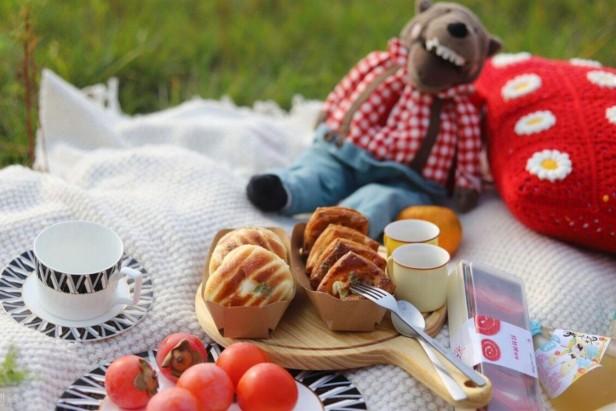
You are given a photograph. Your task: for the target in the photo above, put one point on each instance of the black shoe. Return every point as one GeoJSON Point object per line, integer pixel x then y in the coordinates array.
{"type": "Point", "coordinates": [266, 192]}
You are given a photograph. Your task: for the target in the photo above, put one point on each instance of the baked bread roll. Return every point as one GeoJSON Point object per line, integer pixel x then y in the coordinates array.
{"type": "Point", "coordinates": [329, 235]}
{"type": "Point", "coordinates": [250, 276]}
{"type": "Point", "coordinates": [352, 268]}
{"type": "Point", "coordinates": [262, 237]}
{"type": "Point", "coordinates": [336, 250]}
{"type": "Point", "coordinates": [324, 216]}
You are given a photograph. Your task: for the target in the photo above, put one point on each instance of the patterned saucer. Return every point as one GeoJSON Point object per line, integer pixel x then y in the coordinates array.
{"type": "Point", "coordinates": [18, 282]}
{"type": "Point", "coordinates": [324, 390]}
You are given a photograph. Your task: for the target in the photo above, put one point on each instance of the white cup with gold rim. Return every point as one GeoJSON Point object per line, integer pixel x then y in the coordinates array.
{"type": "Point", "coordinates": [410, 231]}
{"type": "Point", "coordinates": [419, 272]}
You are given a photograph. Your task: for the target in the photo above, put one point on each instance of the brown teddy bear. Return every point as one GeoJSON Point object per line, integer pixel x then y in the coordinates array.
{"type": "Point", "coordinates": [398, 129]}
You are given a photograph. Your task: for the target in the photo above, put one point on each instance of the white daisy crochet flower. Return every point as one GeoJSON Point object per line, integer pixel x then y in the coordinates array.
{"type": "Point", "coordinates": [549, 165]}
{"type": "Point", "coordinates": [610, 113]}
{"type": "Point", "coordinates": [535, 123]}
{"type": "Point", "coordinates": [585, 62]}
{"type": "Point", "coordinates": [506, 59]}
{"type": "Point", "coordinates": [520, 86]}
{"type": "Point", "coordinates": [602, 78]}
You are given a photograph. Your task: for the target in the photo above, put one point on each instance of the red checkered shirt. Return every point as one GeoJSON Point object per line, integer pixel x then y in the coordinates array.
{"type": "Point", "coordinates": [392, 122]}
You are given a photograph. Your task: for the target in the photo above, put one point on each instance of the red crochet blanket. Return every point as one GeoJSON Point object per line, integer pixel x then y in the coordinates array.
{"type": "Point", "coordinates": [552, 144]}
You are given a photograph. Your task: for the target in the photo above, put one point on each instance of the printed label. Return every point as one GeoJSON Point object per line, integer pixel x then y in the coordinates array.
{"type": "Point", "coordinates": [566, 357]}
{"type": "Point", "coordinates": [486, 339]}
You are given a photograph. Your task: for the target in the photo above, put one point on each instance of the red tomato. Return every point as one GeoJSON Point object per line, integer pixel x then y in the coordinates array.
{"type": "Point", "coordinates": [178, 352]}
{"type": "Point", "coordinates": [238, 358]}
{"type": "Point", "coordinates": [130, 382]}
{"type": "Point", "coordinates": [173, 399]}
{"type": "Point", "coordinates": [210, 385]}
{"type": "Point", "coordinates": [267, 387]}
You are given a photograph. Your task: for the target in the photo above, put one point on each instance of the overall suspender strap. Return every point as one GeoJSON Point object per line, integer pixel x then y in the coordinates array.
{"type": "Point", "coordinates": [421, 157]}
{"type": "Point", "coordinates": [363, 96]}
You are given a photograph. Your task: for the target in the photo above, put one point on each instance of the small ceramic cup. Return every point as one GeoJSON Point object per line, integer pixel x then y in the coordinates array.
{"type": "Point", "coordinates": [78, 266]}
{"type": "Point", "coordinates": [410, 231]}
{"type": "Point", "coordinates": [419, 272]}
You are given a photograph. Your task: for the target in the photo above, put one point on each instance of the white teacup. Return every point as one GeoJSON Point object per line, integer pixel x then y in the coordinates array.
{"type": "Point", "coordinates": [419, 272]}
{"type": "Point", "coordinates": [78, 265]}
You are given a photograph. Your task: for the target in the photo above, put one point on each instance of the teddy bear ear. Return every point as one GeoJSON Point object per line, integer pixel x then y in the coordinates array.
{"type": "Point", "coordinates": [422, 5]}
{"type": "Point", "coordinates": [494, 46]}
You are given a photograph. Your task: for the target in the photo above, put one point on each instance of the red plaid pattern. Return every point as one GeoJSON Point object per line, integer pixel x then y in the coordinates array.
{"type": "Point", "coordinates": [393, 121]}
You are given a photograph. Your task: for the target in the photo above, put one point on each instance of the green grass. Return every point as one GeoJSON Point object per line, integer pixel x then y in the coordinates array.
{"type": "Point", "coordinates": [167, 51]}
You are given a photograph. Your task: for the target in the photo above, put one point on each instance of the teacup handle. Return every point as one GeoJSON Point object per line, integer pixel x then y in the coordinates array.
{"type": "Point", "coordinates": [390, 266]}
{"type": "Point", "coordinates": [138, 277]}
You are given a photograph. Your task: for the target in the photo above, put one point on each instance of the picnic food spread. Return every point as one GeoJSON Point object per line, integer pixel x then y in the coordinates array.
{"type": "Point", "coordinates": [488, 322]}
{"type": "Point", "coordinates": [332, 297]}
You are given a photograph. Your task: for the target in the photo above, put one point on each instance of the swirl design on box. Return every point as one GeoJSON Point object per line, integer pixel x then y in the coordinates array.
{"type": "Point", "coordinates": [490, 350]}
{"type": "Point", "coordinates": [487, 325]}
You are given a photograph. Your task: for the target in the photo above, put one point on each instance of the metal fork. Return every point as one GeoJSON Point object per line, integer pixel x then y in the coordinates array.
{"type": "Point", "coordinates": [383, 299]}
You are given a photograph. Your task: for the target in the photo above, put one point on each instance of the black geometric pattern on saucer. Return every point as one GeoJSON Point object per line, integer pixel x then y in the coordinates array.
{"type": "Point", "coordinates": [17, 271]}
{"type": "Point", "coordinates": [333, 389]}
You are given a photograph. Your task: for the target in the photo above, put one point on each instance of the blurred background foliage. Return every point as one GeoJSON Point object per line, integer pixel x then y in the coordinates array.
{"type": "Point", "coordinates": [167, 51]}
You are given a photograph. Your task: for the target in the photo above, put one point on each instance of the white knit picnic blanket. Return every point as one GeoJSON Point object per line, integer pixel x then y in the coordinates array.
{"type": "Point", "coordinates": [166, 182]}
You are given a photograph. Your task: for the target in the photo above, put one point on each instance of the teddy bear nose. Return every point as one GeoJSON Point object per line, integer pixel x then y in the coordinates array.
{"type": "Point", "coordinates": [457, 29]}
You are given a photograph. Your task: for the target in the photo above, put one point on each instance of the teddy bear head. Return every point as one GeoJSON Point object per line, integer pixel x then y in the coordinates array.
{"type": "Point", "coordinates": [447, 46]}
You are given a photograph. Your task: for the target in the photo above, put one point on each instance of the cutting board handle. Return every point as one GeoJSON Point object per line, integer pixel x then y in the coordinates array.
{"type": "Point", "coordinates": [407, 354]}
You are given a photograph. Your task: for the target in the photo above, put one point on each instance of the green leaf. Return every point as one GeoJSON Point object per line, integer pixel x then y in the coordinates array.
{"type": "Point", "coordinates": [9, 374]}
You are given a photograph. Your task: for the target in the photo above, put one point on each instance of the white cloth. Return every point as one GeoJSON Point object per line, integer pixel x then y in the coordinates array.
{"type": "Point", "coordinates": [166, 182]}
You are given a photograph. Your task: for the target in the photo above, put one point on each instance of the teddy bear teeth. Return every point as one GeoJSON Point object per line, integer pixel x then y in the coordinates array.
{"type": "Point", "coordinates": [444, 52]}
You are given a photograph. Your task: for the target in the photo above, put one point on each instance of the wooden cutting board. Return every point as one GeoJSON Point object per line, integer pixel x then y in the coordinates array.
{"type": "Point", "coordinates": [302, 341]}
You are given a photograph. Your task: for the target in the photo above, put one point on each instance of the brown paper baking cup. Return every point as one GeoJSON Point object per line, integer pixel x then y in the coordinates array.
{"type": "Point", "coordinates": [338, 315]}
{"type": "Point", "coordinates": [245, 322]}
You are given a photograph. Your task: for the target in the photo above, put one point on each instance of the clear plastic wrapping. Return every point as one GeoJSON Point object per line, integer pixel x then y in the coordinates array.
{"type": "Point", "coordinates": [477, 292]}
